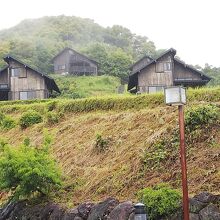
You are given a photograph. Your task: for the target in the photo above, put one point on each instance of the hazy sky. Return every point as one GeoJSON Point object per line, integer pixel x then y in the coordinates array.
{"type": "Point", "coordinates": [192, 27]}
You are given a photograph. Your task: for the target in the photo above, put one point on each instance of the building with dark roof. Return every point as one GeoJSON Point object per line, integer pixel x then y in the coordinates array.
{"type": "Point", "coordinates": [19, 81]}
{"type": "Point", "coordinates": [69, 61]}
{"type": "Point", "coordinates": [166, 70]}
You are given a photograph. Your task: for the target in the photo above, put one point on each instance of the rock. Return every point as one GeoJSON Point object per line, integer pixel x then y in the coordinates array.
{"type": "Point", "coordinates": [57, 213]}
{"type": "Point", "coordinates": [71, 214]}
{"type": "Point", "coordinates": [195, 206]}
{"type": "Point", "coordinates": [131, 217]}
{"type": "Point", "coordinates": [102, 209]}
{"type": "Point", "coordinates": [121, 211]}
{"type": "Point", "coordinates": [178, 214]}
{"type": "Point", "coordinates": [210, 212]}
{"type": "Point", "coordinates": [205, 197]}
{"type": "Point", "coordinates": [193, 216]}
{"type": "Point", "coordinates": [84, 210]}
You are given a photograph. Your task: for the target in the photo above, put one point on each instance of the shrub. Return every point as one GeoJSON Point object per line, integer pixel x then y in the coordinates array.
{"type": "Point", "coordinates": [153, 157]}
{"type": "Point", "coordinates": [8, 123]}
{"type": "Point", "coordinates": [160, 201]}
{"type": "Point", "coordinates": [101, 144]}
{"type": "Point", "coordinates": [29, 118]}
{"type": "Point", "coordinates": [52, 118]}
{"type": "Point", "coordinates": [200, 116]}
{"type": "Point", "coordinates": [27, 170]}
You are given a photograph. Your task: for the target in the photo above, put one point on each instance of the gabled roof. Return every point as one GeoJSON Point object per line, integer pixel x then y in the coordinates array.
{"type": "Point", "coordinates": [4, 68]}
{"type": "Point", "coordinates": [203, 75]}
{"type": "Point", "coordinates": [67, 48]}
{"type": "Point", "coordinates": [51, 85]}
{"type": "Point", "coordinates": [146, 56]}
{"type": "Point", "coordinates": [133, 78]}
{"type": "Point", "coordinates": [171, 50]}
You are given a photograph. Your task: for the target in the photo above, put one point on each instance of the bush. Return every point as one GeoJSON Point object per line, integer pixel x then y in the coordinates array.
{"type": "Point", "coordinates": [160, 201]}
{"type": "Point", "coordinates": [27, 170]}
{"type": "Point", "coordinates": [200, 116]}
{"type": "Point", "coordinates": [8, 123]}
{"type": "Point", "coordinates": [29, 118]}
{"type": "Point", "coordinates": [52, 118]}
{"type": "Point", "coordinates": [101, 144]}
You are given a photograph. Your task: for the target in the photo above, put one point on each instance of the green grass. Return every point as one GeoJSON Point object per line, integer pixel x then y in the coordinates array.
{"type": "Point", "coordinates": [86, 86]}
{"type": "Point", "coordinates": [106, 103]}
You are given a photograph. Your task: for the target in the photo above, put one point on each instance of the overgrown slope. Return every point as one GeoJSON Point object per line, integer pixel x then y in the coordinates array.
{"type": "Point", "coordinates": [82, 87]}
{"type": "Point", "coordinates": [106, 150]}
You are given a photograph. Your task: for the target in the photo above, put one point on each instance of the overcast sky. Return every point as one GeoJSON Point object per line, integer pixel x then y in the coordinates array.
{"type": "Point", "coordinates": [192, 27]}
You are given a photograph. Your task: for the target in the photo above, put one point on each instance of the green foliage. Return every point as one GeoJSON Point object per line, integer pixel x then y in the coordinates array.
{"type": "Point", "coordinates": [52, 118]}
{"type": "Point", "coordinates": [160, 201]}
{"type": "Point", "coordinates": [200, 116]}
{"type": "Point", "coordinates": [115, 103]}
{"type": "Point", "coordinates": [37, 41]}
{"type": "Point", "coordinates": [29, 118]}
{"type": "Point", "coordinates": [27, 170]}
{"type": "Point", "coordinates": [101, 144]}
{"type": "Point", "coordinates": [8, 123]}
{"type": "Point", "coordinates": [81, 87]}
{"type": "Point", "coordinates": [213, 72]}
{"type": "Point", "coordinates": [153, 157]}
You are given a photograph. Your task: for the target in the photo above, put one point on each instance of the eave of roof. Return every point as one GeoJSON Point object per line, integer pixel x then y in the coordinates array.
{"type": "Point", "coordinates": [171, 50]}
{"type": "Point", "coordinates": [48, 79]}
{"type": "Point", "coordinates": [4, 68]}
{"type": "Point", "coordinates": [146, 56]}
{"type": "Point", "coordinates": [192, 68]}
{"type": "Point", "coordinates": [67, 48]}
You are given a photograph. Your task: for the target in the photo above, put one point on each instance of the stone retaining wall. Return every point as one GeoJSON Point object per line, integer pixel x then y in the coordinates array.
{"type": "Point", "coordinates": [204, 206]}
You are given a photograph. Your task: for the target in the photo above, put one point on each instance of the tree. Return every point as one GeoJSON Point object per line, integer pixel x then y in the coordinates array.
{"type": "Point", "coordinates": [26, 170]}
{"type": "Point", "coordinates": [118, 64]}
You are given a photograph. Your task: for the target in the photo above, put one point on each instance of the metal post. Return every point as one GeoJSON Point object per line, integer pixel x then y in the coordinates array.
{"type": "Point", "coordinates": [183, 163]}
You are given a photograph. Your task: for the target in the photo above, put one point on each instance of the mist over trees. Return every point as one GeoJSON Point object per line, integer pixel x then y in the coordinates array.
{"type": "Point", "coordinates": [37, 41]}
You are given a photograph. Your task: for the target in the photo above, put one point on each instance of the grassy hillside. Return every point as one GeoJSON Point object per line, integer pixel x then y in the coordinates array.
{"type": "Point", "coordinates": [82, 87]}
{"type": "Point", "coordinates": [115, 146]}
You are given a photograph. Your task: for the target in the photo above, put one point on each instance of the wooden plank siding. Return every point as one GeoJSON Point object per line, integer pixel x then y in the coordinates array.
{"type": "Point", "coordinates": [166, 70]}
{"type": "Point", "coordinates": [151, 77]}
{"type": "Point", "coordinates": [72, 62]}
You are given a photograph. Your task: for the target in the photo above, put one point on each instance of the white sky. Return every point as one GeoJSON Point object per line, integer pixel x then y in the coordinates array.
{"type": "Point", "coordinates": [192, 27]}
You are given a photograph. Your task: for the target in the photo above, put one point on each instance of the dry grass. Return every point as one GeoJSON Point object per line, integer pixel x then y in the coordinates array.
{"type": "Point", "coordinates": [118, 171]}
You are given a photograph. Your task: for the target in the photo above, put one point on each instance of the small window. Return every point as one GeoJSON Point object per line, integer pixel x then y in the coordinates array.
{"type": "Point", "coordinates": [163, 66]}
{"type": "Point", "coordinates": [167, 66]}
{"type": "Point", "coordinates": [19, 72]}
{"type": "Point", "coordinates": [62, 67]}
{"type": "Point", "coordinates": [27, 95]}
{"type": "Point", "coordinates": [15, 72]}
{"type": "Point", "coordinates": [3, 86]}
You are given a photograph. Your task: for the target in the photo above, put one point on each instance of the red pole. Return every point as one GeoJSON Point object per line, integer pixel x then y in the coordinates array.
{"type": "Point", "coordinates": [183, 163]}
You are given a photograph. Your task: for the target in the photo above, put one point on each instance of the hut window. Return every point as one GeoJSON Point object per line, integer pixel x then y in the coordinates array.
{"type": "Point", "coordinates": [163, 66]}
{"type": "Point", "coordinates": [27, 95]}
{"type": "Point", "coordinates": [62, 67]}
{"type": "Point", "coordinates": [19, 72]}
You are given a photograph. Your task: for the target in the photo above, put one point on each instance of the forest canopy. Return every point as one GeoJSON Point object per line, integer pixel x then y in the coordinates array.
{"type": "Point", "coordinates": [37, 41]}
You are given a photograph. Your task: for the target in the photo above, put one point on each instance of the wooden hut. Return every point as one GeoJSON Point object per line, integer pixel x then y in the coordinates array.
{"type": "Point", "coordinates": [166, 70]}
{"type": "Point", "coordinates": [69, 61]}
{"type": "Point", "coordinates": [19, 81]}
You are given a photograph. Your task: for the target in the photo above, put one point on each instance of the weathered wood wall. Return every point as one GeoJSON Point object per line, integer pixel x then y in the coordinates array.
{"type": "Point", "coordinates": [72, 60]}
{"type": "Point", "coordinates": [180, 72]}
{"type": "Point", "coordinates": [32, 82]}
{"type": "Point", "coordinates": [143, 62]}
{"type": "Point", "coordinates": [149, 77]}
